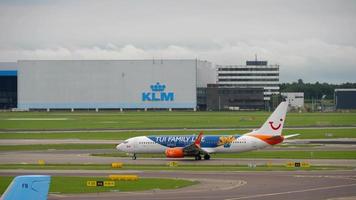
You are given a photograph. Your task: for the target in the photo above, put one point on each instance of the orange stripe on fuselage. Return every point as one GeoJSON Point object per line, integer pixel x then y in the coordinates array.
{"type": "Point", "coordinates": [272, 140]}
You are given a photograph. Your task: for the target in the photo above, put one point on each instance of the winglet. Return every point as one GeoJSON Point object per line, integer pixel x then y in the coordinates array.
{"type": "Point", "coordinates": [30, 187]}
{"type": "Point", "coordinates": [198, 140]}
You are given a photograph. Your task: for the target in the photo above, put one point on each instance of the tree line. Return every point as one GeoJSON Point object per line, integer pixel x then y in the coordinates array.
{"type": "Point", "coordinates": [314, 90]}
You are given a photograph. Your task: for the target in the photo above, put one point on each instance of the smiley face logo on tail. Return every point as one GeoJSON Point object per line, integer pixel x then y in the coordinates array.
{"type": "Point", "coordinates": [275, 128]}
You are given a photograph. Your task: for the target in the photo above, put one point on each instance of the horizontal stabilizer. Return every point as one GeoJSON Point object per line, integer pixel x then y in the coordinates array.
{"type": "Point", "coordinates": [290, 136]}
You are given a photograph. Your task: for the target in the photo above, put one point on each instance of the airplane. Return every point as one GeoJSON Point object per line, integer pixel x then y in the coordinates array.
{"type": "Point", "coordinates": [28, 187]}
{"type": "Point", "coordinates": [269, 134]}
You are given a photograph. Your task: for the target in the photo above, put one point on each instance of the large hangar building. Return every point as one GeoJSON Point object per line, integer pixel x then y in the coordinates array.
{"type": "Point", "coordinates": [111, 84]}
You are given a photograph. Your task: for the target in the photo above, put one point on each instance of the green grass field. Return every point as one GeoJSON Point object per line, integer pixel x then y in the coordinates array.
{"type": "Point", "coordinates": [264, 154]}
{"type": "Point", "coordinates": [54, 146]}
{"type": "Point", "coordinates": [304, 134]}
{"type": "Point", "coordinates": [72, 185]}
{"type": "Point", "coordinates": [163, 119]}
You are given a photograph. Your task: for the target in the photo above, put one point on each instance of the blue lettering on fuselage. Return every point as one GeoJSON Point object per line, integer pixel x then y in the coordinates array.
{"type": "Point", "coordinates": [173, 141]}
{"type": "Point", "coordinates": [208, 141]}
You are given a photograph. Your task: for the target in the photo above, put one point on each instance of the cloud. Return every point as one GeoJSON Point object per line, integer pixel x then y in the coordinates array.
{"type": "Point", "coordinates": [312, 40]}
{"type": "Point", "coordinates": [311, 59]}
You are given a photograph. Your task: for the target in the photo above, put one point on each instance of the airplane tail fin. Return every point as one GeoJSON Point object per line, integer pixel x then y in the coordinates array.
{"type": "Point", "coordinates": [274, 124]}
{"type": "Point", "coordinates": [29, 187]}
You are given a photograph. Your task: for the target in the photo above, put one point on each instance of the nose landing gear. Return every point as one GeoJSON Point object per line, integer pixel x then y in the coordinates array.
{"type": "Point", "coordinates": [134, 156]}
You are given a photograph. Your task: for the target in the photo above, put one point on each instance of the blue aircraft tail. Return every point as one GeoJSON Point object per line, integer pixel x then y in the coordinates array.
{"type": "Point", "coordinates": [29, 187]}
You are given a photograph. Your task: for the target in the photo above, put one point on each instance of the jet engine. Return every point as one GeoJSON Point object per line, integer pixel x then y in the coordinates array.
{"type": "Point", "coordinates": [174, 152]}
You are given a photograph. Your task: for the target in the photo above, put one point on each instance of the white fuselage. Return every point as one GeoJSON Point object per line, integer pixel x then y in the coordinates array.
{"type": "Point", "coordinates": [270, 133]}
{"type": "Point", "coordinates": [143, 144]}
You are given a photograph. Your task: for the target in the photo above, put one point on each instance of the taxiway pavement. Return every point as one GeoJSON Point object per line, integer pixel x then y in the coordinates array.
{"type": "Point", "coordinates": [295, 185]}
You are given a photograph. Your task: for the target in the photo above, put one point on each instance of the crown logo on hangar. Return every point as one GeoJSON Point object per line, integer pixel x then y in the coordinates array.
{"type": "Point", "coordinates": [158, 87]}
{"type": "Point", "coordinates": [158, 93]}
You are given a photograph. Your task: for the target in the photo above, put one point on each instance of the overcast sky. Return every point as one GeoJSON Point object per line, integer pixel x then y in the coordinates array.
{"type": "Point", "coordinates": [310, 39]}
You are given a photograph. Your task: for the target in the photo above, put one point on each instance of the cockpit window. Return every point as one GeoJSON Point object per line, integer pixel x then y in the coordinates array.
{"type": "Point", "coordinates": [125, 142]}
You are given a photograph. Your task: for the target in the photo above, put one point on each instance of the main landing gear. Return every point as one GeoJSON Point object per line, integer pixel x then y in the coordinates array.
{"type": "Point", "coordinates": [206, 157]}
{"type": "Point", "coordinates": [134, 156]}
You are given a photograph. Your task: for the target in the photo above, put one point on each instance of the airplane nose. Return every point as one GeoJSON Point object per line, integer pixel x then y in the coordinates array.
{"type": "Point", "coordinates": [119, 147]}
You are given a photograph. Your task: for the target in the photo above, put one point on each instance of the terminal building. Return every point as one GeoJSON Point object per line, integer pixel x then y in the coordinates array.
{"type": "Point", "coordinates": [255, 74]}
{"type": "Point", "coordinates": [233, 98]}
{"type": "Point", "coordinates": [247, 87]}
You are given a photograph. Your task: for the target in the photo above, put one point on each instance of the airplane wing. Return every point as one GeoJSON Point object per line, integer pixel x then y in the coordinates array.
{"type": "Point", "coordinates": [195, 148]}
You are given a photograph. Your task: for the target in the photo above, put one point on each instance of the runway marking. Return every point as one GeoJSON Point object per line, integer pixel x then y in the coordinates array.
{"type": "Point", "coordinates": [291, 192]}
{"type": "Point", "coordinates": [37, 119]}
{"type": "Point", "coordinates": [326, 176]}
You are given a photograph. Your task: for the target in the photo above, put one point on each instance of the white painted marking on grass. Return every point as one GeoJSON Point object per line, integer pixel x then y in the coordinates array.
{"type": "Point", "coordinates": [37, 119]}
